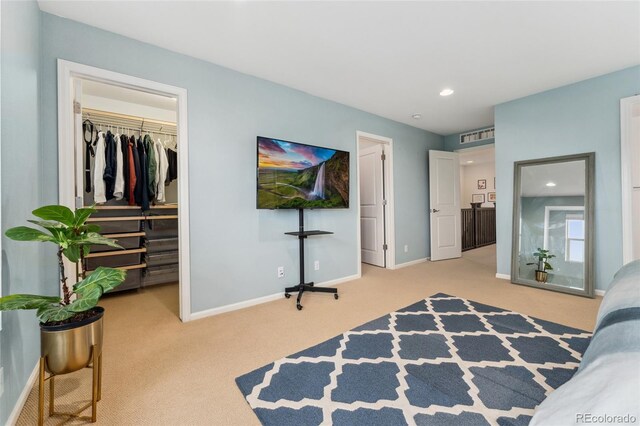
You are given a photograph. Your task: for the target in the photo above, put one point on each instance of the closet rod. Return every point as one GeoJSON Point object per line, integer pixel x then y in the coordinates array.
{"type": "Point", "coordinates": [90, 111]}
{"type": "Point", "coordinates": [133, 129]}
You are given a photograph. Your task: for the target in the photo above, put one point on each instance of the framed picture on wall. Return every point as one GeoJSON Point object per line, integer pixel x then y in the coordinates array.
{"type": "Point", "coordinates": [491, 197]}
{"type": "Point", "coordinates": [482, 184]}
{"type": "Point", "coordinates": [477, 198]}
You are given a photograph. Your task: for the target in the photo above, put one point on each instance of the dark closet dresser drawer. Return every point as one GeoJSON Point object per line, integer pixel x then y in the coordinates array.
{"type": "Point", "coordinates": [113, 261]}
{"type": "Point", "coordinates": [161, 275]}
{"type": "Point", "coordinates": [116, 227]}
{"type": "Point", "coordinates": [161, 228]}
{"type": "Point", "coordinates": [162, 244]}
{"type": "Point", "coordinates": [162, 258]}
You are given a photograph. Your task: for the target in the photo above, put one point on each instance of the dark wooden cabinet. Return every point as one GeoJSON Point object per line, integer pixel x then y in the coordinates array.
{"type": "Point", "coordinates": [150, 244]}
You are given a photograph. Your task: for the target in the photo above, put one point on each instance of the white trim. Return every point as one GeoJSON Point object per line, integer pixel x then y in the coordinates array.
{"type": "Point", "coordinates": [67, 71]}
{"type": "Point", "coordinates": [626, 113]}
{"type": "Point", "coordinates": [264, 299]}
{"type": "Point", "coordinates": [600, 292]}
{"type": "Point", "coordinates": [503, 276]}
{"type": "Point", "coordinates": [390, 212]}
{"type": "Point", "coordinates": [22, 399]}
{"type": "Point", "coordinates": [411, 263]}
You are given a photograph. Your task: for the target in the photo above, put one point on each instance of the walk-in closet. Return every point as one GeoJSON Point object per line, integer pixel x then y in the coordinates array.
{"type": "Point", "coordinates": [128, 169]}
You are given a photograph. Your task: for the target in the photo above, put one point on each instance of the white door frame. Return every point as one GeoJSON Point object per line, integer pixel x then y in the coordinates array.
{"type": "Point", "coordinates": [67, 71]}
{"type": "Point", "coordinates": [626, 111]}
{"type": "Point", "coordinates": [390, 211]}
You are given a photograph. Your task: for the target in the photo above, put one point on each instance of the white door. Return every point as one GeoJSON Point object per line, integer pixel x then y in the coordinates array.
{"type": "Point", "coordinates": [75, 185]}
{"type": "Point", "coordinates": [372, 205]}
{"type": "Point", "coordinates": [444, 203]}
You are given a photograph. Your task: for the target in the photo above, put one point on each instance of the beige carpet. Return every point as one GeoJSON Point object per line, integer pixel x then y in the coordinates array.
{"type": "Point", "coordinates": [158, 371]}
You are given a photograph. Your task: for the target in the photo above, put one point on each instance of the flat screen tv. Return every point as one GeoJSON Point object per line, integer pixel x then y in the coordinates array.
{"type": "Point", "coordinates": [292, 175]}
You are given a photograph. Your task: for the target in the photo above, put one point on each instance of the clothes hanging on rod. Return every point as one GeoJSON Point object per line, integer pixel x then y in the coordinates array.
{"type": "Point", "coordinates": [133, 166]}
{"type": "Point", "coordinates": [98, 171]}
{"type": "Point", "coordinates": [173, 165]}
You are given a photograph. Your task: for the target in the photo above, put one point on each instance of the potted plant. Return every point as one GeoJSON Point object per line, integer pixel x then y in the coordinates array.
{"type": "Point", "coordinates": [543, 264]}
{"type": "Point", "coordinates": [71, 325]}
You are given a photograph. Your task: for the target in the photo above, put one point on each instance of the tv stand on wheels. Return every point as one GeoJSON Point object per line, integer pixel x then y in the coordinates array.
{"type": "Point", "coordinates": [303, 286]}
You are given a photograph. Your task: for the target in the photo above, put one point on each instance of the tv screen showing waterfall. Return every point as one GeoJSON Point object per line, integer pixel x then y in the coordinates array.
{"type": "Point", "coordinates": [293, 176]}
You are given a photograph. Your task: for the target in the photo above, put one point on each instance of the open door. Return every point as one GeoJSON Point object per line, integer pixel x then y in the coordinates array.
{"type": "Point", "coordinates": [372, 205]}
{"type": "Point", "coordinates": [444, 205]}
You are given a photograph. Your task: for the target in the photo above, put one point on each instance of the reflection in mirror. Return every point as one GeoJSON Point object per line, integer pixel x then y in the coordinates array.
{"type": "Point", "coordinates": [551, 224]}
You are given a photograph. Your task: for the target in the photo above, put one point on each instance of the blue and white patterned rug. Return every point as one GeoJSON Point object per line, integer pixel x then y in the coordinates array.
{"type": "Point", "coordinates": [441, 361]}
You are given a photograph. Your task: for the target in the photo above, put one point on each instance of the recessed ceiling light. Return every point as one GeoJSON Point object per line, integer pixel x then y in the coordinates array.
{"type": "Point", "coordinates": [446, 92]}
{"type": "Point", "coordinates": [416, 116]}
{"type": "Point", "coordinates": [469, 161]}
{"type": "Point", "coordinates": [551, 184]}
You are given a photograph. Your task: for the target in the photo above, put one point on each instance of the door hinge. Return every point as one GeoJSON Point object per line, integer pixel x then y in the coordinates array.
{"type": "Point", "coordinates": [77, 108]}
{"type": "Point", "coordinates": [385, 247]}
{"type": "Point", "coordinates": [384, 202]}
{"type": "Point", "coordinates": [383, 157]}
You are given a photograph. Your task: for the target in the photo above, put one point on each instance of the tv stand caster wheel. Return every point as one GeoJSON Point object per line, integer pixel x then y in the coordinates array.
{"type": "Point", "coordinates": [299, 306]}
{"type": "Point", "coordinates": [287, 295]}
{"type": "Point", "coordinates": [335, 296]}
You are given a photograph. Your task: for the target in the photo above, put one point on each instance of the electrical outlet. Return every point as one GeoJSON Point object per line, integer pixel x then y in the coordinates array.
{"type": "Point", "coordinates": [280, 271]}
{"type": "Point", "coordinates": [316, 265]}
{"type": "Point", "coordinates": [406, 248]}
{"type": "Point", "coordinates": [1, 381]}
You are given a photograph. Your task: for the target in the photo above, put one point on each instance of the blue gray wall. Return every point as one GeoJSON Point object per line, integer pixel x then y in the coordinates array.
{"type": "Point", "coordinates": [452, 142]}
{"type": "Point", "coordinates": [22, 161]}
{"type": "Point", "coordinates": [578, 118]}
{"type": "Point", "coordinates": [235, 249]}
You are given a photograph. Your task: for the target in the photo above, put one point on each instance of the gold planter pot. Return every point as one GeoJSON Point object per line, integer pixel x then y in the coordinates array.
{"type": "Point", "coordinates": [541, 276]}
{"type": "Point", "coordinates": [68, 348]}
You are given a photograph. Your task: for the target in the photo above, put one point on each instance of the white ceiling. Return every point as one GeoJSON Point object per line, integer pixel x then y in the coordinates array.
{"type": "Point", "coordinates": [390, 58]}
{"type": "Point", "coordinates": [568, 177]}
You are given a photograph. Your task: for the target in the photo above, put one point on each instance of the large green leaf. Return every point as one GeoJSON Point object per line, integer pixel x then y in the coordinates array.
{"type": "Point", "coordinates": [54, 313]}
{"type": "Point", "coordinates": [72, 253]}
{"type": "Point", "coordinates": [91, 227]}
{"type": "Point", "coordinates": [105, 278]}
{"type": "Point", "coordinates": [87, 299]}
{"type": "Point", "coordinates": [47, 224]}
{"type": "Point", "coordinates": [57, 229]}
{"type": "Point", "coordinates": [60, 214]}
{"type": "Point", "coordinates": [26, 301]}
{"type": "Point", "coordinates": [82, 215]}
{"type": "Point", "coordinates": [24, 233]}
{"type": "Point", "coordinates": [95, 238]}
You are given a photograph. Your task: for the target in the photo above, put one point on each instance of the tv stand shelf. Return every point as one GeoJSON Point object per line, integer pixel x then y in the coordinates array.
{"type": "Point", "coordinates": [304, 286]}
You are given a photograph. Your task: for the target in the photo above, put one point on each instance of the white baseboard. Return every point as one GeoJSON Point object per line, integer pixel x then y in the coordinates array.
{"type": "Point", "coordinates": [411, 263]}
{"type": "Point", "coordinates": [600, 292]}
{"type": "Point", "coordinates": [263, 299]}
{"type": "Point", "coordinates": [22, 399]}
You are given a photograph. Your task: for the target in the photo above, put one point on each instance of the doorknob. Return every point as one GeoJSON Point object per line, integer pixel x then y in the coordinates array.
{"type": "Point", "coordinates": [435, 210]}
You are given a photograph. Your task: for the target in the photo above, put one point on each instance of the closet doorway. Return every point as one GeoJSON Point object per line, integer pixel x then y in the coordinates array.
{"type": "Point", "coordinates": [123, 148]}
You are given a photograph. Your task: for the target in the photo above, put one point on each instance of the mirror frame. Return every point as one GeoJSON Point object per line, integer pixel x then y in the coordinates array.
{"type": "Point", "coordinates": [589, 159]}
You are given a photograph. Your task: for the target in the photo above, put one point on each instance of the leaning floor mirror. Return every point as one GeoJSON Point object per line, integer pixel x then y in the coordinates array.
{"type": "Point", "coordinates": [553, 224]}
